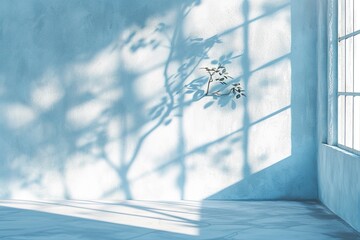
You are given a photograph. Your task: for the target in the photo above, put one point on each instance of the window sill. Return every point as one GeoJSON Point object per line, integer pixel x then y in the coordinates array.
{"type": "Point", "coordinates": [343, 151]}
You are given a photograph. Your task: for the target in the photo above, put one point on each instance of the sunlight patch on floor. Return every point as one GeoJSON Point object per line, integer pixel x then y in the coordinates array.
{"type": "Point", "coordinates": [173, 217]}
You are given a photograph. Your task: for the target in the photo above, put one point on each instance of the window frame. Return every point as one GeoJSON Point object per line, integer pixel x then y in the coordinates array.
{"type": "Point", "coordinates": [334, 40]}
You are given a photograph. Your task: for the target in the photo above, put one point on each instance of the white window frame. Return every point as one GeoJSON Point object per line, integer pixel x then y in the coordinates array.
{"type": "Point", "coordinates": [336, 120]}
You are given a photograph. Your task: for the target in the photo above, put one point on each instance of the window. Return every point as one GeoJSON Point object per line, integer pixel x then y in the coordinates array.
{"type": "Point", "coordinates": [348, 128]}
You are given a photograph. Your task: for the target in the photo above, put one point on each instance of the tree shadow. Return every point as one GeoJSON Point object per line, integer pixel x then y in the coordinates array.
{"type": "Point", "coordinates": [59, 109]}
{"type": "Point", "coordinates": [113, 105]}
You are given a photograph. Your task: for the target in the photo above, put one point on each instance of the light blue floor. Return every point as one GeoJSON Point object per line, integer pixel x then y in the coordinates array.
{"type": "Point", "coordinates": [75, 220]}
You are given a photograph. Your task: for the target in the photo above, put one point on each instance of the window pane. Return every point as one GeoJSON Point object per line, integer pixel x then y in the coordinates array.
{"type": "Point", "coordinates": [341, 66]}
{"type": "Point", "coordinates": [341, 120]}
{"type": "Point", "coordinates": [357, 15]}
{"type": "Point", "coordinates": [349, 121]}
{"type": "Point", "coordinates": [357, 61]}
{"type": "Point", "coordinates": [341, 17]}
{"type": "Point", "coordinates": [357, 123]}
{"type": "Point", "coordinates": [349, 55]}
{"type": "Point", "coordinates": [349, 12]}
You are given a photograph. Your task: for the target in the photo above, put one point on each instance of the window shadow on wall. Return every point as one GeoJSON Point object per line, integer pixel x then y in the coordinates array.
{"type": "Point", "coordinates": [299, 169]}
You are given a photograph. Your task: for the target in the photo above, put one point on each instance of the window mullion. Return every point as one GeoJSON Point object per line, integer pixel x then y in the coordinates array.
{"type": "Point", "coordinates": [353, 78]}
{"type": "Point", "coordinates": [332, 14]}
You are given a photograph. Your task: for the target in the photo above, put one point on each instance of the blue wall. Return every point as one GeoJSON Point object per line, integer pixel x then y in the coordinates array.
{"type": "Point", "coordinates": [104, 100]}
{"type": "Point", "coordinates": [339, 183]}
{"type": "Point", "coordinates": [338, 178]}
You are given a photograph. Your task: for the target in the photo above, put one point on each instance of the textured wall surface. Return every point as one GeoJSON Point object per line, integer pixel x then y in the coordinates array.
{"type": "Point", "coordinates": [339, 183]}
{"type": "Point", "coordinates": [104, 99]}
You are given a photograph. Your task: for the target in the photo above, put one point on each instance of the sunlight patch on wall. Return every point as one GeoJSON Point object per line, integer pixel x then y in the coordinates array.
{"type": "Point", "coordinates": [113, 152]}
{"type": "Point", "coordinates": [48, 186]}
{"type": "Point", "coordinates": [17, 115]}
{"type": "Point", "coordinates": [212, 18]}
{"type": "Point", "coordinates": [103, 64]}
{"type": "Point", "coordinates": [21, 165]}
{"type": "Point", "coordinates": [88, 177]}
{"type": "Point", "coordinates": [47, 92]}
{"type": "Point", "coordinates": [52, 184]}
{"type": "Point", "coordinates": [216, 147]}
{"type": "Point", "coordinates": [103, 67]}
{"type": "Point", "coordinates": [214, 167]}
{"type": "Point", "coordinates": [150, 85]}
{"type": "Point", "coordinates": [113, 128]}
{"type": "Point", "coordinates": [270, 141]}
{"type": "Point", "coordinates": [148, 169]}
{"type": "Point", "coordinates": [270, 88]}
{"type": "Point", "coordinates": [86, 113]}
{"type": "Point", "coordinates": [273, 29]}
{"type": "Point", "coordinates": [85, 139]}
{"type": "Point", "coordinates": [110, 95]}
{"type": "Point", "coordinates": [19, 191]}
{"type": "Point", "coordinates": [267, 8]}
{"type": "Point", "coordinates": [269, 84]}
{"type": "Point", "coordinates": [36, 182]}
{"type": "Point", "coordinates": [210, 125]}
{"type": "Point", "coordinates": [166, 187]}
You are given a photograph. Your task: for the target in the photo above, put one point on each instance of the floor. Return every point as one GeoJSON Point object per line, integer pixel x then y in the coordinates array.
{"type": "Point", "coordinates": [75, 220]}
